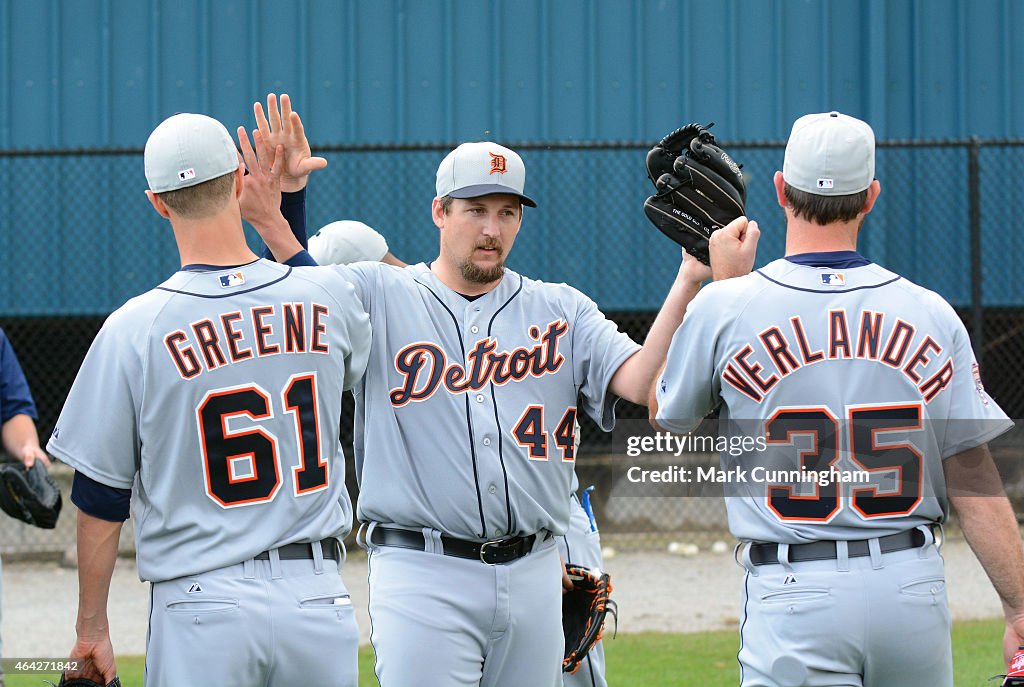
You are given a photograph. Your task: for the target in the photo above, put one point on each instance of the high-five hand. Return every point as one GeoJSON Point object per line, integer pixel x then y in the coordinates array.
{"type": "Point", "coordinates": [284, 128]}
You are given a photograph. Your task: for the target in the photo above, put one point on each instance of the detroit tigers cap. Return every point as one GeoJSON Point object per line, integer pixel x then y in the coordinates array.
{"type": "Point", "coordinates": [480, 169]}
{"type": "Point", "coordinates": [187, 149]}
{"type": "Point", "coordinates": [830, 154]}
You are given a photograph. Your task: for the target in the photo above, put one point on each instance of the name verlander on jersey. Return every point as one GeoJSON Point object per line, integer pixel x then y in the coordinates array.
{"type": "Point", "coordinates": [862, 337]}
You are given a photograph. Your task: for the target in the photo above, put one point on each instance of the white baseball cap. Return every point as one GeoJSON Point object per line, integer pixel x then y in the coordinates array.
{"type": "Point", "coordinates": [188, 149]}
{"type": "Point", "coordinates": [346, 241]}
{"type": "Point", "coordinates": [480, 169]}
{"type": "Point", "coordinates": [830, 154]}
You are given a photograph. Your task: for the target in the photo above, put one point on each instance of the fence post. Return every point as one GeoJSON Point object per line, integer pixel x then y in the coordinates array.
{"type": "Point", "coordinates": [974, 205]}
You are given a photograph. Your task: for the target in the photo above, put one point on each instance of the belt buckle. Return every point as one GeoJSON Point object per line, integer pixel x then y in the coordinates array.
{"type": "Point", "coordinates": [483, 550]}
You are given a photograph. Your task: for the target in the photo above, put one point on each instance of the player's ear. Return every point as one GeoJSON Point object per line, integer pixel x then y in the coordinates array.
{"type": "Point", "coordinates": [780, 189]}
{"type": "Point", "coordinates": [158, 205]}
{"type": "Point", "coordinates": [873, 192]}
{"type": "Point", "coordinates": [239, 184]}
{"type": "Point", "coordinates": [437, 213]}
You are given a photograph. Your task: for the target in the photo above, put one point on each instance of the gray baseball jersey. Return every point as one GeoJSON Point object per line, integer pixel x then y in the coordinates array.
{"type": "Point", "coordinates": [205, 396]}
{"type": "Point", "coordinates": [465, 420]}
{"type": "Point", "coordinates": [854, 369]}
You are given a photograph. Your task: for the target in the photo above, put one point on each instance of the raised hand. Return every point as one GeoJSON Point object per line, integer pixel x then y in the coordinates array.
{"type": "Point", "coordinates": [284, 128]}
{"type": "Point", "coordinates": [261, 186]}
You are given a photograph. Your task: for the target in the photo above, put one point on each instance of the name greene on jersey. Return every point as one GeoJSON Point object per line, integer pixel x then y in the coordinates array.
{"type": "Point", "coordinates": [423, 365]}
{"type": "Point", "coordinates": [260, 331]}
{"type": "Point", "coordinates": [863, 337]}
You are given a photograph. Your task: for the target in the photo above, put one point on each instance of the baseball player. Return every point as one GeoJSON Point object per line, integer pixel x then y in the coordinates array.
{"type": "Point", "coordinates": [348, 241]}
{"type": "Point", "coordinates": [464, 434]}
{"type": "Point", "coordinates": [213, 403]}
{"type": "Point", "coordinates": [863, 391]}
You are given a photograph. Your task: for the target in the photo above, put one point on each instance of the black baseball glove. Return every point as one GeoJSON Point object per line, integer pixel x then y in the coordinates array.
{"type": "Point", "coordinates": [699, 189]}
{"type": "Point", "coordinates": [583, 611]}
{"type": "Point", "coordinates": [29, 494]}
{"type": "Point", "coordinates": [85, 682]}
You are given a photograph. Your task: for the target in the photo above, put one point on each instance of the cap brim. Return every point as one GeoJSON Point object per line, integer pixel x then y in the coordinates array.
{"type": "Point", "coordinates": [490, 189]}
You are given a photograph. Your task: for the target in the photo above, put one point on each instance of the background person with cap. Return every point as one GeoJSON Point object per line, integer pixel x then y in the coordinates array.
{"type": "Point", "coordinates": [465, 433]}
{"type": "Point", "coordinates": [212, 403]}
{"type": "Point", "coordinates": [844, 368]}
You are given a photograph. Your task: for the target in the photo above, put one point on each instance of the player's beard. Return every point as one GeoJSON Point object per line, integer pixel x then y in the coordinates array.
{"type": "Point", "coordinates": [475, 274]}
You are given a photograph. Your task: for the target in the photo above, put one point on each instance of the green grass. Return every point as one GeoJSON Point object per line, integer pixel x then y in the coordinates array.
{"type": "Point", "coordinates": [676, 660]}
{"type": "Point", "coordinates": [709, 659]}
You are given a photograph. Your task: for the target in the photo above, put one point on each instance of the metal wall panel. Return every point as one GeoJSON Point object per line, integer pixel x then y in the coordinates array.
{"type": "Point", "coordinates": [99, 72]}
{"type": "Point", "coordinates": [102, 73]}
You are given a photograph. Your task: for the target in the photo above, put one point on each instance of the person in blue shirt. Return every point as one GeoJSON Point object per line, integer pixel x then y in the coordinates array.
{"type": "Point", "coordinates": [17, 418]}
{"type": "Point", "coordinates": [17, 410]}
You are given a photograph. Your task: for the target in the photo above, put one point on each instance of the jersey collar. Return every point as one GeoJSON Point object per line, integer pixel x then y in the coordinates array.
{"type": "Point", "coordinates": [200, 267]}
{"type": "Point", "coordinates": [837, 260]}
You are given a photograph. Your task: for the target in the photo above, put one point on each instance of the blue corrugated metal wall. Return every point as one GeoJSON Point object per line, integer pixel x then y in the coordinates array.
{"type": "Point", "coordinates": [95, 73]}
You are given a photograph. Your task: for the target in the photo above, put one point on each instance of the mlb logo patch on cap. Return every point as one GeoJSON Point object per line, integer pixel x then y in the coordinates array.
{"type": "Point", "coordinates": [833, 279]}
{"type": "Point", "coordinates": [188, 149]}
{"type": "Point", "coordinates": [233, 279]}
{"type": "Point", "coordinates": [830, 154]}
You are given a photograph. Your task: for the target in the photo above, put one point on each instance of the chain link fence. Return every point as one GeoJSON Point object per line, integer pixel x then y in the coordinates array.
{"type": "Point", "coordinates": [79, 239]}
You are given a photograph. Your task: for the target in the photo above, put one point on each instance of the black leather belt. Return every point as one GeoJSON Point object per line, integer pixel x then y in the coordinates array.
{"type": "Point", "coordinates": [768, 554]}
{"type": "Point", "coordinates": [304, 551]}
{"type": "Point", "coordinates": [493, 552]}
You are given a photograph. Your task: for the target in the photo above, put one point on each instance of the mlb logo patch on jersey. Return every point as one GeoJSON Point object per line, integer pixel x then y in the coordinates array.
{"type": "Point", "coordinates": [233, 279]}
{"type": "Point", "coordinates": [833, 279]}
{"type": "Point", "coordinates": [978, 386]}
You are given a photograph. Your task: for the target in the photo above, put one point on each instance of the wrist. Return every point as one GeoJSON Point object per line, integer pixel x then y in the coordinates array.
{"type": "Point", "coordinates": [692, 271]}
{"type": "Point", "coordinates": [690, 282]}
{"type": "Point", "coordinates": [278, 236]}
{"type": "Point", "coordinates": [293, 184]}
{"type": "Point", "coordinates": [92, 629]}
{"type": "Point", "coordinates": [271, 227]}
